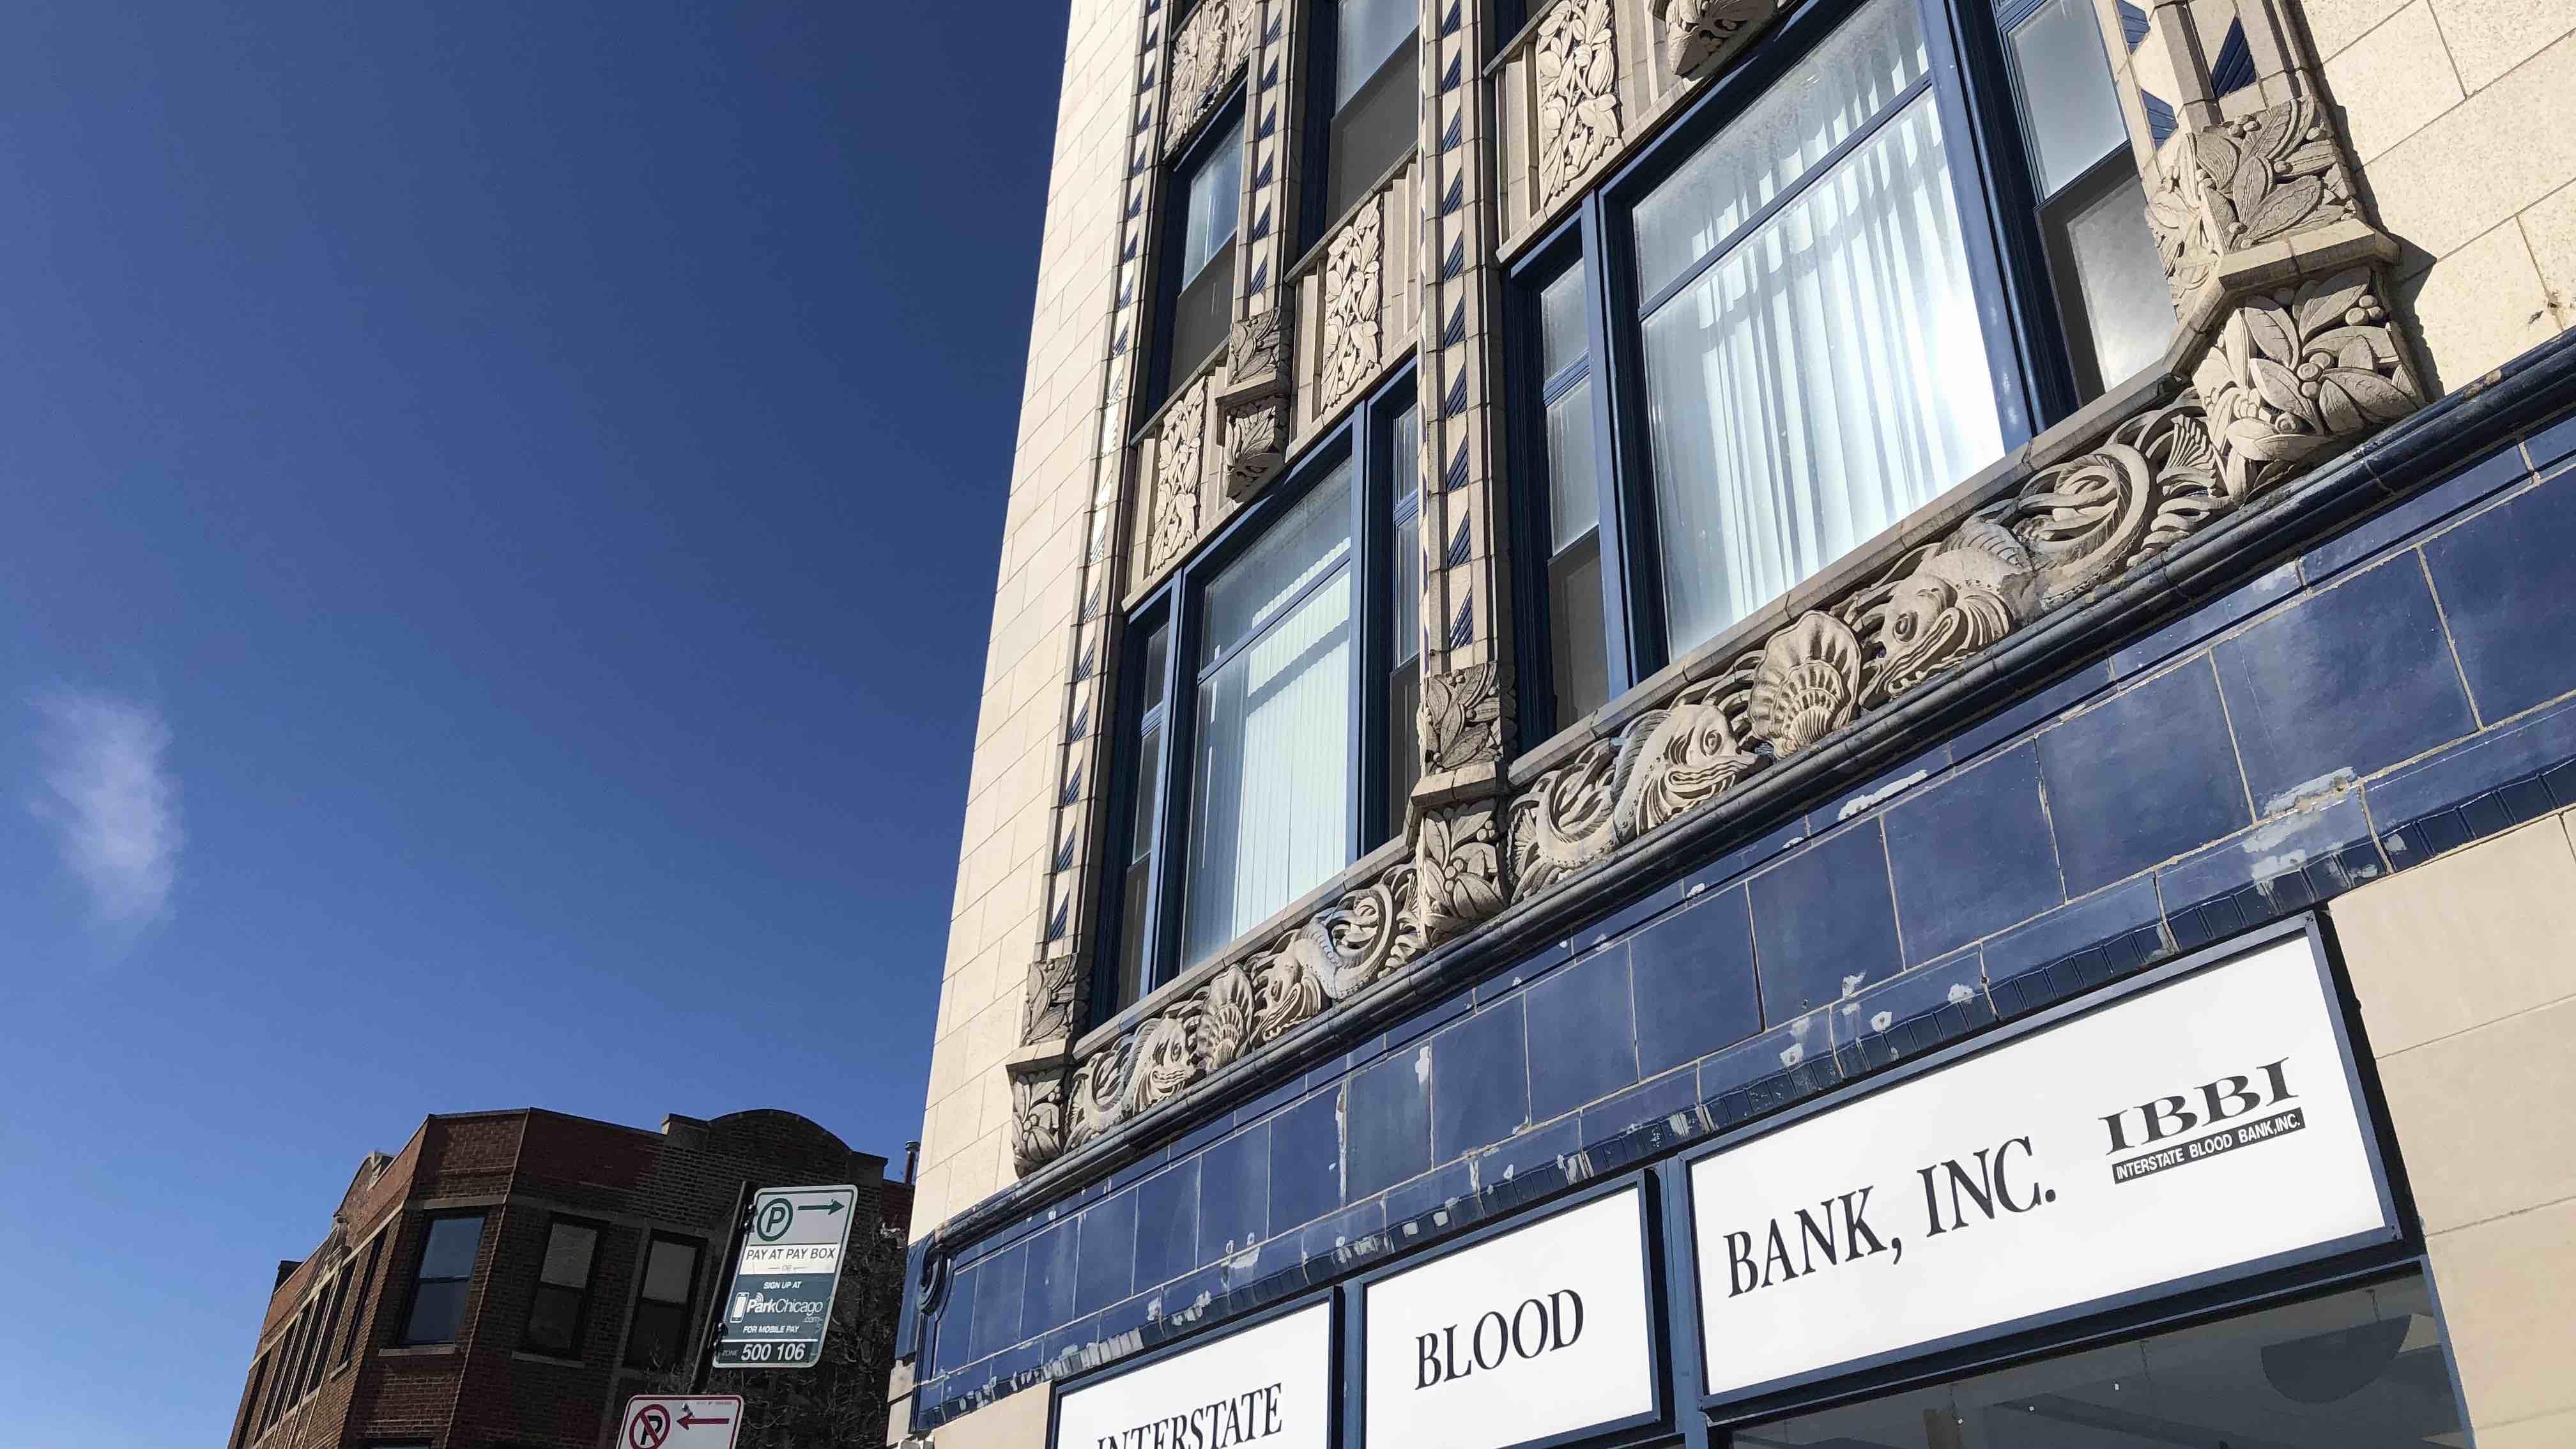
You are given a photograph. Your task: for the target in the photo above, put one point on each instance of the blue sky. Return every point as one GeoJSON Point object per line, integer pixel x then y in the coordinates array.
{"type": "Point", "coordinates": [498, 505]}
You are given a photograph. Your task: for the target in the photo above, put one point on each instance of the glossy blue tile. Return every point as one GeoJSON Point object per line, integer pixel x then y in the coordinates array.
{"type": "Point", "coordinates": [2341, 684]}
{"type": "Point", "coordinates": [2396, 526]}
{"type": "Point", "coordinates": [2141, 778]}
{"type": "Point", "coordinates": [1387, 1109]}
{"type": "Point", "coordinates": [953, 1336]}
{"type": "Point", "coordinates": [2209, 619]}
{"type": "Point", "coordinates": [1824, 923]}
{"type": "Point", "coordinates": [1971, 854]}
{"type": "Point", "coordinates": [1137, 1171]}
{"type": "Point", "coordinates": [1196, 1140]}
{"type": "Point", "coordinates": [1582, 1034]}
{"type": "Point", "coordinates": [1306, 1161]}
{"type": "Point", "coordinates": [1424, 1022]}
{"type": "Point", "coordinates": [1694, 982]}
{"type": "Point", "coordinates": [1479, 1081]}
{"type": "Point", "coordinates": [1783, 1065]}
{"type": "Point", "coordinates": [2551, 445]}
{"type": "Point", "coordinates": [1271, 1101]}
{"type": "Point", "coordinates": [1337, 1237]}
{"type": "Point", "coordinates": [1929, 1006]}
{"type": "Point", "coordinates": [2046, 705]}
{"type": "Point", "coordinates": [1234, 1193]}
{"type": "Point", "coordinates": [2120, 913]}
{"type": "Point", "coordinates": [1743, 858]}
{"type": "Point", "coordinates": [1522, 972]}
{"type": "Point", "coordinates": [2540, 745]}
{"type": "Point", "coordinates": [1523, 1152]}
{"type": "Point", "coordinates": [999, 1281]}
{"type": "Point", "coordinates": [1675, 1091]}
{"type": "Point", "coordinates": [1046, 1301]}
{"type": "Point", "coordinates": [1887, 786]}
{"type": "Point", "coordinates": [2508, 585]}
{"type": "Point", "coordinates": [1167, 1224]}
{"type": "Point", "coordinates": [1625, 919]}
{"type": "Point", "coordinates": [1432, 1192]}
{"type": "Point", "coordinates": [2274, 856]}
{"type": "Point", "coordinates": [1105, 1260]}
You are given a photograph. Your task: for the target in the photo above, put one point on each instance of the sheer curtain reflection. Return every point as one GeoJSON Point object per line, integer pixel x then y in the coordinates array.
{"type": "Point", "coordinates": [1824, 374]}
{"type": "Point", "coordinates": [1270, 802]}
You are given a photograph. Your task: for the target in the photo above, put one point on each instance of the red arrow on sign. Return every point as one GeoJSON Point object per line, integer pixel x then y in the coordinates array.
{"type": "Point", "coordinates": [689, 1421]}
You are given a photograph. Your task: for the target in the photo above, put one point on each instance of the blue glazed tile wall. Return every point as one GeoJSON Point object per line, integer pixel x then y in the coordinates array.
{"type": "Point", "coordinates": [2393, 693]}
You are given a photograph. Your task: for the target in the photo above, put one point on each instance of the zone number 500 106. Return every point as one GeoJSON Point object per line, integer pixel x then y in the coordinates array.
{"type": "Point", "coordinates": [770, 1352]}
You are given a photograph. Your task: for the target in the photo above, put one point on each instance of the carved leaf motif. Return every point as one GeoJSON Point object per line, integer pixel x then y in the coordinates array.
{"type": "Point", "coordinates": [1461, 717]}
{"type": "Point", "coordinates": [1577, 69]}
{"type": "Point", "coordinates": [1352, 297]}
{"type": "Point", "coordinates": [1458, 869]}
{"type": "Point", "coordinates": [2284, 208]}
{"type": "Point", "coordinates": [1177, 478]}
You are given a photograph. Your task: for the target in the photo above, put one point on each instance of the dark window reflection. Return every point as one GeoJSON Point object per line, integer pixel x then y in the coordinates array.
{"type": "Point", "coordinates": [2358, 1368]}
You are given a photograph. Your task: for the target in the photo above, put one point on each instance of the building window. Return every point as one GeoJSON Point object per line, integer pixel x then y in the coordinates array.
{"type": "Point", "coordinates": [659, 1337]}
{"type": "Point", "coordinates": [250, 1401]}
{"type": "Point", "coordinates": [439, 1282]}
{"type": "Point", "coordinates": [1261, 748]}
{"type": "Point", "coordinates": [2360, 1367]}
{"type": "Point", "coordinates": [556, 1307]}
{"type": "Point", "coordinates": [1844, 281]}
{"type": "Point", "coordinates": [2109, 283]}
{"type": "Point", "coordinates": [326, 1321]}
{"type": "Point", "coordinates": [1400, 445]}
{"type": "Point", "coordinates": [1198, 279]}
{"type": "Point", "coordinates": [358, 1301]}
{"type": "Point", "coordinates": [1364, 102]}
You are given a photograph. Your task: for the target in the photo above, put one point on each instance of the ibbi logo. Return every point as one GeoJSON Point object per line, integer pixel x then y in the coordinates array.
{"type": "Point", "coordinates": [2220, 1101]}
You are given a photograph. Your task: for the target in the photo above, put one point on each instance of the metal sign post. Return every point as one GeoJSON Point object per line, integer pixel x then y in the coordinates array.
{"type": "Point", "coordinates": [780, 1305]}
{"type": "Point", "coordinates": [671, 1421]}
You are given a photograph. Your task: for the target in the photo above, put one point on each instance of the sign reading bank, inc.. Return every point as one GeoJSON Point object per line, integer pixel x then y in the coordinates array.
{"type": "Point", "coordinates": [2192, 1129]}
{"type": "Point", "coordinates": [1266, 1387]}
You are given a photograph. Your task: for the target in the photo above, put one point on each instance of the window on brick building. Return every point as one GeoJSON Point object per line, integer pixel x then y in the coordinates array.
{"type": "Point", "coordinates": [439, 1280]}
{"type": "Point", "coordinates": [559, 1305]}
{"type": "Point", "coordinates": [659, 1337]}
{"type": "Point", "coordinates": [326, 1320]}
{"type": "Point", "coordinates": [1205, 195]}
{"type": "Point", "coordinates": [358, 1301]}
{"type": "Point", "coordinates": [250, 1401]}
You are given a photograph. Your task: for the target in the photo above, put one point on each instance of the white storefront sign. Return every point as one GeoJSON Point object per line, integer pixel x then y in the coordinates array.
{"type": "Point", "coordinates": [1540, 1331]}
{"type": "Point", "coordinates": [2202, 1125]}
{"type": "Point", "coordinates": [1267, 1387]}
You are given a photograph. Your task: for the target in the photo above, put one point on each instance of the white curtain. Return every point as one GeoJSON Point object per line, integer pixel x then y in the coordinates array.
{"type": "Point", "coordinates": [1827, 375]}
{"type": "Point", "coordinates": [1271, 794]}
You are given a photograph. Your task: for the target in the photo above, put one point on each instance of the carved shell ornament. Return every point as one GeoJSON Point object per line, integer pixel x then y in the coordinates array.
{"type": "Point", "coordinates": [1807, 684]}
{"type": "Point", "coordinates": [1577, 64]}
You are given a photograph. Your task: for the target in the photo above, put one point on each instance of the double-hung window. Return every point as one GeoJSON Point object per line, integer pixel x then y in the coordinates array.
{"type": "Point", "coordinates": [1866, 260]}
{"type": "Point", "coordinates": [659, 1337]}
{"type": "Point", "coordinates": [1362, 111]}
{"type": "Point", "coordinates": [1264, 752]}
{"type": "Point", "coordinates": [1198, 273]}
{"type": "Point", "coordinates": [2110, 285]}
{"type": "Point", "coordinates": [439, 1281]}
{"type": "Point", "coordinates": [557, 1304]}
{"type": "Point", "coordinates": [358, 1304]}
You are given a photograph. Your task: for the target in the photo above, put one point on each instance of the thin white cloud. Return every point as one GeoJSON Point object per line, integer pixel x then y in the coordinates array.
{"type": "Point", "coordinates": [113, 801]}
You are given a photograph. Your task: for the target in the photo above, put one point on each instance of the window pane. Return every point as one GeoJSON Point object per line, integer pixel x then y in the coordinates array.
{"type": "Point", "coordinates": [436, 1309]}
{"type": "Point", "coordinates": [1564, 335]}
{"type": "Point", "coordinates": [554, 1318]}
{"type": "Point", "coordinates": [1405, 603]}
{"type": "Point", "coordinates": [1857, 74]}
{"type": "Point", "coordinates": [568, 1250]}
{"type": "Point", "coordinates": [1578, 641]}
{"type": "Point", "coordinates": [1404, 744]}
{"type": "Point", "coordinates": [449, 1252]}
{"type": "Point", "coordinates": [2067, 99]}
{"type": "Point", "coordinates": [1378, 126]}
{"type": "Point", "coordinates": [1253, 591]}
{"type": "Point", "coordinates": [1819, 383]}
{"type": "Point", "coordinates": [2356, 1368]}
{"type": "Point", "coordinates": [1370, 31]}
{"type": "Point", "coordinates": [1270, 790]}
{"type": "Point", "coordinates": [1404, 458]}
{"type": "Point", "coordinates": [2127, 306]}
{"type": "Point", "coordinates": [1158, 657]}
{"type": "Point", "coordinates": [358, 1305]}
{"type": "Point", "coordinates": [1136, 920]}
{"type": "Point", "coordinates": [670, 1271]}
{"type": "Point", "coordinates": [1213, 195]}
{"type": "Point", "coordinates": [655, 1341]}
{"type": "Point", "coordinates": [1573, 491]}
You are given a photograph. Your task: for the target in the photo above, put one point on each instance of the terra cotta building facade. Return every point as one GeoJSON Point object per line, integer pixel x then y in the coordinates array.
{"type": "Point", "coordinates": [1887, 680]}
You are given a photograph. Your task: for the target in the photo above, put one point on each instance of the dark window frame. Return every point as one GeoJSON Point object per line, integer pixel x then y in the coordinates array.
{"type": "Point", "coordinates": [1363, 438]}
{"type": "Point", "coordinates": [1164, 370]}
{"type": "Point", "coordinates": [358, 1305]}
{"type": "Point", "coordinates": [482, 1217]}
{"type": "Point", "coordinates": [1317, 84]}
{"type": "Point", "coordinates": [539, 1289]}
{"type": "Point", "coordinates": [248, 1416]}
{"type": "Point", "coordinates": [687, 1305]}
{"type": "Point", "coordinates": [1969, 80]}
{"type": "Point", "coordinates": [325, 1327]}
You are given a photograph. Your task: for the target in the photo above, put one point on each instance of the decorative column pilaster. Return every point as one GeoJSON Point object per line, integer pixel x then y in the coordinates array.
{"type": "Point", "coordinates": [2280, 275]}
{"type": "Point", "coordinates": [1054, 1009]}
{"type": "Point", "coordinates": [1466, 656]}
{"type": "Point", "coordinates": [1259, 354]}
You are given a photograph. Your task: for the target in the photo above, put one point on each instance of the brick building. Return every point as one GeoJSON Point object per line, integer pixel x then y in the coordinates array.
{"type": "Point", "coordinates": [510, 1278]}
{"type": "Point", "coordinates": [1884, 687]}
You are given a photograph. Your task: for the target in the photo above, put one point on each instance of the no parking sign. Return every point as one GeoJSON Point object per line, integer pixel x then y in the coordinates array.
{"type": "Point", "coordinates": [665, 1421]}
